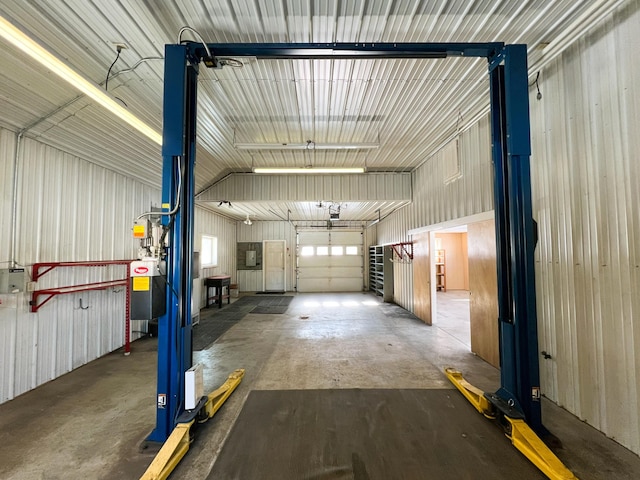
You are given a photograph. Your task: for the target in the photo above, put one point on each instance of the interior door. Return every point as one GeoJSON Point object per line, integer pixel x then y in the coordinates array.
{"type": "Point", "coordinates": [483, 291]}
{"type": "Point", "coordinates": [422, 278]}
{"type": "Point", "coordinates": [274, 265]}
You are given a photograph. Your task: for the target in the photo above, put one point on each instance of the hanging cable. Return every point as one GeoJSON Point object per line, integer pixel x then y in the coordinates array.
{"type": "Point", "coordinates": [135, 65]}
{"type": "Point", "coordinates": [179, 194]}
{"type": "Point", "coordinates": [535, 82]}
{"type": "Point", "coordinates": [106, 82]}
{"type": "Point", "coordinates": [198, 36]}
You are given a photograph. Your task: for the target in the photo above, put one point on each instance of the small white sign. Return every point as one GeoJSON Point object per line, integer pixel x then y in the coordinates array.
{"type": "Point", "coordinates": [535, 393]}
{"type": "Point", "coordinates": [193, 386]}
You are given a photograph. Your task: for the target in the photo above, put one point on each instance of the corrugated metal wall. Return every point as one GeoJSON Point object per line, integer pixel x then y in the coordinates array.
{"type": "Point", "coordinates": [208, 223]}
{"type": "Point", "coordinates": [310, 188]}
{"type": "Point", "coordinates": [586, 192]}
{"type": "Point", "coordinates": [7, 151]}
{"type": "Point", "coordinates": [437, 198]}
{"type": "Point", "coordinates": [68, 210]}
{"type": "Point", "coordinates": [251, 280]}
{"type": "Point", "coordinates": [73, 210]}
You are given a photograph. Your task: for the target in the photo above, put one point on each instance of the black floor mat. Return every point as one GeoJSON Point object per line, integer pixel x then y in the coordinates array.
{"type": "Point", "coordinates": [270, 309]}
{"type": "Point", "coordinates": [366, 435]}
{"type": "Point", "coordinates": [215, 321]}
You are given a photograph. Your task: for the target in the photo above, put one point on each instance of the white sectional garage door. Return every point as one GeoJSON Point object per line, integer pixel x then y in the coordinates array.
{"type": "Point", "coordinates": [330, 261]}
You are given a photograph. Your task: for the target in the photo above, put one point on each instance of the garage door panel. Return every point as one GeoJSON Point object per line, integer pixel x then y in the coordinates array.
{"type": "Point", "coordinates": [314, 272]}
{"type": "Point", "coordinates": [313, 238]}
{"type": "Point", "coordinates": [346, 261]}
{"type": "Point", "coordinates": [330, 273]}
{"type": "Point", "coordinates": [330, 285]}
{"type": "Point", "coordinates": [330, 261]}
{"type": "Point", "coordinates": [305, 262]}
{"type": "Point", "coordinates": [314, 285]}
{"type": "Point", "coordinates": [345, 285]}
{"type": "Point", "coordinates": [323, 272]}
{"type": "Point", "coordinates": [346, 238]}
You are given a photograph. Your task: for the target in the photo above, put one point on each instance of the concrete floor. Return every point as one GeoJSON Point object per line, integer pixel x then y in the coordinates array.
{"type": "Point", "coordinates": [452, 315]}
{"type": "Point", "coordinates": [90, 423]}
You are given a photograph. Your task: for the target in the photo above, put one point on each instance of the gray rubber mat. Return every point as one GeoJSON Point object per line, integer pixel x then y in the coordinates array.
{"type": "Point", "coordinates": [270, 309]}
{"type": "Point", "coordinates": [215, 321]}
{"type": "Point", "coordinates": [366, 435]}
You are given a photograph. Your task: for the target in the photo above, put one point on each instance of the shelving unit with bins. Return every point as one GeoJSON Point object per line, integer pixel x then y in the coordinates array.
{"type": "Point", "coordinates": [441, 273]}
{"type": "Point", "coordinates": [381, 271]}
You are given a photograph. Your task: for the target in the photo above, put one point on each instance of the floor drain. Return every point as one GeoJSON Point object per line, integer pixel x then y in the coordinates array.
{"type": "Point", "coordinates": [304, 317]}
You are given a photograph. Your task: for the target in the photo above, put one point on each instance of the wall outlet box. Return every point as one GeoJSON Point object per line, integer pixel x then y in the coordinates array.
{"type": "Point", "coordinates": [193, 386]}
{"type": "Point", "coordinates": [12, 280]}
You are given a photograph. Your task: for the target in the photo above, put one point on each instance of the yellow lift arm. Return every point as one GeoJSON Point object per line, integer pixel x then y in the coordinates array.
{"type": "Point", "coordinates": [521, 435]}
{"type": "Point", "coordinates": [177, 445]}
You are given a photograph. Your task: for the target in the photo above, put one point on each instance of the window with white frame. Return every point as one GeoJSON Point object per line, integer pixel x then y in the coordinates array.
{"type": "Point", "coordinates": [322, 250]}
{"type": "Point", "coordinates": [337, 250]}
{"type": "Point", "coordinates": [352, 250]}
{"type": "Point", "coordinates": [209, 251]}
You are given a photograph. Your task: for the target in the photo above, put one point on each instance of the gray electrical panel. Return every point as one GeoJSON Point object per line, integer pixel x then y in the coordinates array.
{"type": "Point", "coordinates": [12, 280]}
{"type": "Point", "coordinates": [251, 258]}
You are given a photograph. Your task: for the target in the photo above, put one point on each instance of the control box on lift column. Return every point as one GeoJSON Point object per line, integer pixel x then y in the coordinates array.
{"type": "Point", "coordinates": [148, 290]}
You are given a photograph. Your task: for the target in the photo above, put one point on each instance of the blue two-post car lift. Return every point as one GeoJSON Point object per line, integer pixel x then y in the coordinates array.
{"type": "Point", "coordinates": [518, 399]}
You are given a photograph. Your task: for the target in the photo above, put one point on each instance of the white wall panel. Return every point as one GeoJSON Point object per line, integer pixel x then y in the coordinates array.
{"type": "Point", "coordinates": [208, 223]}
{"type": "Point", "coordinates": [251, 280]}
{"type": "Point", "coordinates": [310, 188]}
{"type": "Point", "coordinates": [437, 198]}
{"type": "Point", "coordinates": [586, 192]}
{"type": "Point", "coordinates": [7, 149]}
{"type": "Point", "coordinates": [68, 210]}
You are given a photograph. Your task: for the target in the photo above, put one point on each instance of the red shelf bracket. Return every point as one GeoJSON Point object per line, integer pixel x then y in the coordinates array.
{"type": "Point", "coordinates": [403, 248]}
{"type": "Point", "coordinates": [42, 268]}
{"type": "Point", "coordinates": [52, 292]}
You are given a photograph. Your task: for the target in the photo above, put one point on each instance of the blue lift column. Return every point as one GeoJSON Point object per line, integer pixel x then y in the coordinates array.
{"type": "Point", "coordinates": [515, 237]}
{"type": "Point", "coordinates": [178, 156]}
{"type": "Point", "coordinates": [520, 386]}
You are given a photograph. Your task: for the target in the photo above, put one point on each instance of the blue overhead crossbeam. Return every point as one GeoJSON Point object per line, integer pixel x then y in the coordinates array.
{"type": "Point", "coordinates": [515, 229]}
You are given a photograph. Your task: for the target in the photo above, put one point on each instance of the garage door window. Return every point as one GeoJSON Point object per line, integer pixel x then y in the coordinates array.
{"type": "Point", "coordinates": [337, 250]}
{"type": "Point", "coordinates": [352, 250]}
{"type": "Point", "coordinates": [307, 251]}
{"type": "Point", "coordinates": [322, 251]}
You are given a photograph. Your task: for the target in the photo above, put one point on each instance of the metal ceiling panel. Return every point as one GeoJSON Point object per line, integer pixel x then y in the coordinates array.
{"type": "Point", "coordinates": [411, 107]}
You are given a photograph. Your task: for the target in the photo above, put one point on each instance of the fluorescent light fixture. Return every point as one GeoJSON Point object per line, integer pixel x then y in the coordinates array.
{"type": "Point", "coordinates": [309, 170]}
{"type": "Point", "coordinates": [305, 146]}
{"type": "Point", "coordinates": [15, 37]}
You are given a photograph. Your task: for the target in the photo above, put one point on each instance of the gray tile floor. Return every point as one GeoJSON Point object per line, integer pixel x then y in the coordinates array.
{"type": "Point", "coordinates": [90, 423]}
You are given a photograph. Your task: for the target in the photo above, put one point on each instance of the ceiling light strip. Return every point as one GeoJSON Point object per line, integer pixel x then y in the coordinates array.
{"type": "Point", "coordinates": [309, 170]}
{"type": "Point", "coordinates": [17, 38]}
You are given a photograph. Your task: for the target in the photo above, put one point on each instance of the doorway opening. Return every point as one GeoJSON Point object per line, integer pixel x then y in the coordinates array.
{"type": "Point", "coordinates": [451, 270]}
{"type": "Point", "coordinates": [455, 281]}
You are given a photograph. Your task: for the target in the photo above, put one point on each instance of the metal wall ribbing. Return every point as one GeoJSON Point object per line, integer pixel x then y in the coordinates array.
{"type": "Point", "coordinates": [586, 192]}
{"type": "Point", "coordinates": [208, 223]}
{"type": "Point", "coordinates": [68, 210]}
{"type": "Point", "coordinates": [437, 198]}
{"type": "Point", "coordinates": [72, 210]}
